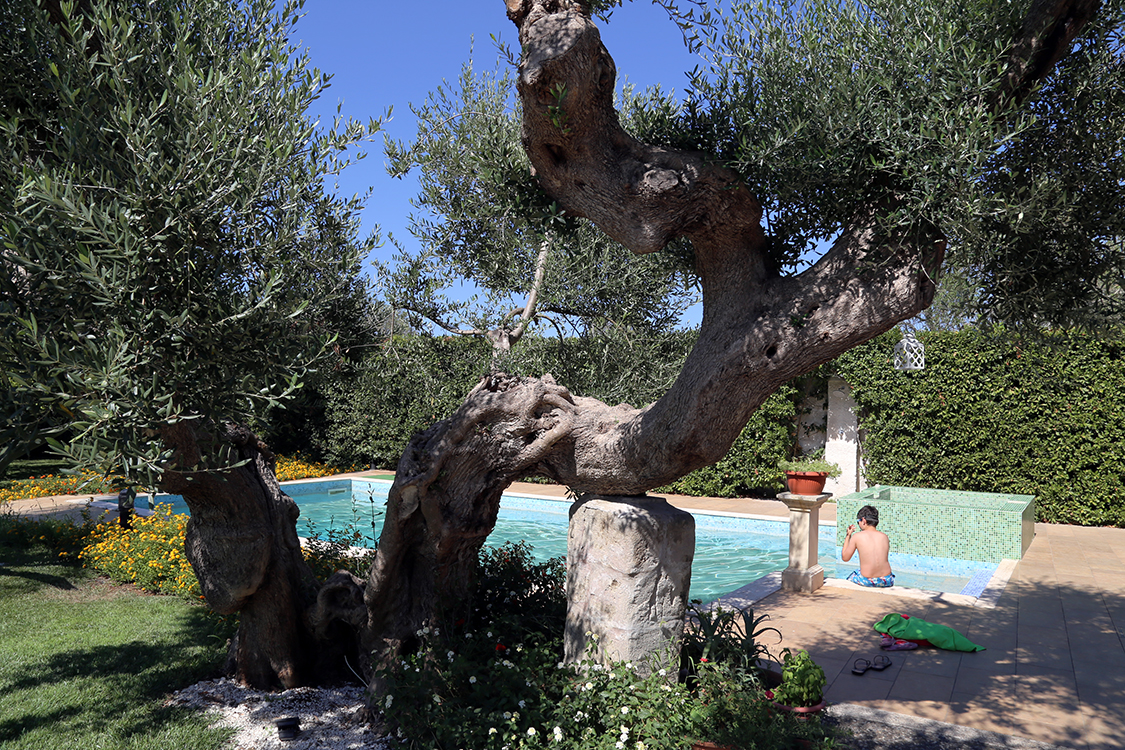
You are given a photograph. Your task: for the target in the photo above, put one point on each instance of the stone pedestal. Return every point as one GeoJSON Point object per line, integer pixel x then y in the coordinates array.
{"type": "Point", "coordinates": [804, 574]}
{"type": "Point", "coordinates": [628, 571]}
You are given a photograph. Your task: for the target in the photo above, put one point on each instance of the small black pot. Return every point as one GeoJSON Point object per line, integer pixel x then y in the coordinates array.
{"type": "Point", "coordinates": [288, 728]}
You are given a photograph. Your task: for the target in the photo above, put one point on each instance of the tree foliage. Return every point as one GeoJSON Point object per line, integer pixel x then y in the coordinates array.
{"type": "Point", "coordinates": [169, 251]}
{"type": "Point", "coordinates": [824, 107]}
{"type": "Point", "coordinates": [483, 218]}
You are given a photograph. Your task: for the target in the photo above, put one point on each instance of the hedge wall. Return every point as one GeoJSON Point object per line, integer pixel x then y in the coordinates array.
{"type": "Point", "coordinates": [993, 414]}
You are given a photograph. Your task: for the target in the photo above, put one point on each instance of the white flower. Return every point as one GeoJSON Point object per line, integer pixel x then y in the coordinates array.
{"type": "Point", "coordinates": [449, 655]}
{"type": "Point", "coordinates": [640, 745]}
{"type": "Point", "coordinates": [387, 703]}
{"type": "Point", "coordinates": [589, 686]}
{"type": "Point", "coordinates": [489, 634]}
{"type": "Point", "coordinates": [507, 714]}
{"type": "Point", "coordinates": [492, 730]}
{"type": "Point", "coordinates": [473, 680]}
{"type": "Point", "coordinates": [624, 709]}
{"type": "Point", "coordinates": [558, 734]}
{"type": "Point", "coordinates": [437, 699]}
{"type": "Point", "coordinates": [468, 635]}
{"type": "Point", "coordinates": [531, 731]}
{"type": "Point", "coordinates": [663, 672]}
{"type": "Point", "coordinates": [579, 716]}
{"type": "Point", "coordinates": [620, 744]}
{"type": "Point", "coordinates": [560, 665]}
{"type": "Point", "coordinates": [522, 704]}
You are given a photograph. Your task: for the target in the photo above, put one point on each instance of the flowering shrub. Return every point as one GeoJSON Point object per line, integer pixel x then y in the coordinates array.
{"type": "Point", "coordinates": [62, 537]}
{"type": "Point", "coordinates": [89, 483]}
{"type": "Point", "coordinates": [298, 467]}
{"type": "Point", "coordinates": [490, 676]}
{"type": "Point", "coordinates": [151, 554]}
{"type": "Point", "coordinates": [86, 483]}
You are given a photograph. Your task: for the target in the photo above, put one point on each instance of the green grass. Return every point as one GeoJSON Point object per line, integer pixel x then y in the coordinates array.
{"type": "Point", "coordinates": [85, 663]}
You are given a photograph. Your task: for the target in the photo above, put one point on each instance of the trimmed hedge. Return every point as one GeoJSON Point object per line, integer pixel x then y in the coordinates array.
{"type": "Point", "coordinates": [994, 414]}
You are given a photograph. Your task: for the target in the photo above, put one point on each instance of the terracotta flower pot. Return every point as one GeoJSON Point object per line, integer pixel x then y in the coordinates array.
{"type": "Point", "coordinates": [806, 482]}
{"type": "Point", "coordinates": [803, 713]}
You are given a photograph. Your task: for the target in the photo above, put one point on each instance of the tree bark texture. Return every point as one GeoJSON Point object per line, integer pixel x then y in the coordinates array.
{"type": "Point", "coordinates": [241, 541]}
{"type": "Point", "coordinates": [758, 330]}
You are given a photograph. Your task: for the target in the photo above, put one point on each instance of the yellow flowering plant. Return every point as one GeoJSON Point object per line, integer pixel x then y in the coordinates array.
{"type": "Point", "coordinates": [150, 555]}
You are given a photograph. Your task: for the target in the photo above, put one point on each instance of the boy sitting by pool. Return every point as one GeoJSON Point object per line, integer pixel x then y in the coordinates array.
{"type": "Point", "coordinates": [873, 547]}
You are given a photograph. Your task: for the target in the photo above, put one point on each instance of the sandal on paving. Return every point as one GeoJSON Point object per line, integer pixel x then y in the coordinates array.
{"type": "Point", "coordinates": [880, 663]}
{"type": "Point", "coordinates": [861, 666]}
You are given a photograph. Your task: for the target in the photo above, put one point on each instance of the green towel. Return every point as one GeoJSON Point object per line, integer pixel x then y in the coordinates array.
{"type": "Point", "coordinates": [913, 629]}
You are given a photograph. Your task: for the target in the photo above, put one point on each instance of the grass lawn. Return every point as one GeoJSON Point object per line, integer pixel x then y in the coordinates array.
{"type": "Point", "coordinates": [85, 663]}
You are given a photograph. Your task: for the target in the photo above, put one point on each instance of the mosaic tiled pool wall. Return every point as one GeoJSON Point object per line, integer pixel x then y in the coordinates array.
{"type": "Point", "coordinates": [946, 523]}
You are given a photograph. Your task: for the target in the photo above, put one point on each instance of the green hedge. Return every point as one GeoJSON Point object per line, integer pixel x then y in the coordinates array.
{"type": "Point", "coordinates": [993, 414]}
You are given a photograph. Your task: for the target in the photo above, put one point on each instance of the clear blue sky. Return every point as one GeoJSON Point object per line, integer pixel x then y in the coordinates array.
{"type": "Point", "coordinates": [385, 54]}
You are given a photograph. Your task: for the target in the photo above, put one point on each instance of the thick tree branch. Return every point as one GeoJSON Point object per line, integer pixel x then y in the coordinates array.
{"type": "Point", "coordinates": [1048, 31]}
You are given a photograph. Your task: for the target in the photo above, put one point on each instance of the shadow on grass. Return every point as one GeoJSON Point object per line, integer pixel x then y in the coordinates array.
{"type": "Point", "coordinates": [57, 582]}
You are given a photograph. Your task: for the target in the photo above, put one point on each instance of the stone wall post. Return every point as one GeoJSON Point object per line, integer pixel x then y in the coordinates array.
{"type": "Point", "coordinates": [628, 572]}
{"type": "Point", "coordinates": [804, 573]}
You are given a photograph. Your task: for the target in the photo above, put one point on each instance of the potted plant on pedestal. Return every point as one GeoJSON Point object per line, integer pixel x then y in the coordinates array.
{"type": "Point", "coordinates": [801, 691]}
{"type": "Point", "coordinates": [806, 475]}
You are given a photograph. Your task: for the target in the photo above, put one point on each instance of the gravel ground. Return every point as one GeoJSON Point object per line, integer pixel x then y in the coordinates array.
{"type": "Point", "coordinates": [329, 721]}
{"type": "Point", "coordinates": [329, 717]}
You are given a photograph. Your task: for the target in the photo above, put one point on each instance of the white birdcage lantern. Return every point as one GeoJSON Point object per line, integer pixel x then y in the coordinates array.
{"type": "Point", "coordinates": [909, 353]}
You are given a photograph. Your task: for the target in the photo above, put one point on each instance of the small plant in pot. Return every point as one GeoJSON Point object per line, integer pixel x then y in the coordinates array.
{"type": "Point", "coordinates": [806, 475]}
{"type": "Point", "coordinates": [802, 685]}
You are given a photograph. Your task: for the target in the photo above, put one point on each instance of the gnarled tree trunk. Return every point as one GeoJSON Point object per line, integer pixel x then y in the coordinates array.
{"type": "Point", "coordinates": [241, 540]}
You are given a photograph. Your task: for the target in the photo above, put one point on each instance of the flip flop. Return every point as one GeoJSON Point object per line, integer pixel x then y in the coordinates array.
{"type": "Point", "coordinates": [861, 666]}
{"type": "Point", "coordinates": [899, 645]}
{"type": "Point", "coordinates": [880, 663]}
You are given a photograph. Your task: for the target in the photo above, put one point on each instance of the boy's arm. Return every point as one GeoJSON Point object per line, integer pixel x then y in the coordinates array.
{"type": "Point", "coordinates": [849, 544]}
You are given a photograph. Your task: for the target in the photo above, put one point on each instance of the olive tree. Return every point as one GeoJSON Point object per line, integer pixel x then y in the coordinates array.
{"type": "Point", "coordinates": [171, 266]}
{"type": "Point", "coordinates": [882, 128]}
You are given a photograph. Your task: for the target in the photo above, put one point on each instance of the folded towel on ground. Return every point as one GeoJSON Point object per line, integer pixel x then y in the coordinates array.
{"type": "Point", "coordinates": [912, 629]}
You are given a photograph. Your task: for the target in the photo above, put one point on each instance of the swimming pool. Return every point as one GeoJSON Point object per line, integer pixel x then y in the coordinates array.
{"type": "Point", "coordinates": [730, 551]}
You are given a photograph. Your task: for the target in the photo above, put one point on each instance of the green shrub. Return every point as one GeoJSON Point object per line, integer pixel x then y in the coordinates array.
{"type": "Point", "coordinates": [490, 675]}
{"type": "Point", "coordinates": [994, 414]}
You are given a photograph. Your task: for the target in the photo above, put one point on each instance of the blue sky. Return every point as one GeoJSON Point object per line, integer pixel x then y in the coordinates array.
{"type": "Point", "coordinates": [392, 54]}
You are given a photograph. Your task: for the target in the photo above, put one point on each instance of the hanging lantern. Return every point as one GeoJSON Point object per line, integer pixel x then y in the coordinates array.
{"type": "Point", "coordinates": [909, 353]}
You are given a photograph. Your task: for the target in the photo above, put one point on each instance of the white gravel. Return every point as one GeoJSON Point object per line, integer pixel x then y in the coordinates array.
{"type": "Point", "coordinates": [329, 716]}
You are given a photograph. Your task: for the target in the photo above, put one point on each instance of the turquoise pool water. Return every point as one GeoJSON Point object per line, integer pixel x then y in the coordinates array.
{"type": "Point", "coordinates": [729, 551]}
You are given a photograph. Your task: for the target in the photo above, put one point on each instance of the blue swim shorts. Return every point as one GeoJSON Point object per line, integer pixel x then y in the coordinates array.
{"type": "Point", "coordinates": [882, 582]}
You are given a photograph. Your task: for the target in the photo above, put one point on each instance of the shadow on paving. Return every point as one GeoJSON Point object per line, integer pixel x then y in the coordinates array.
{"type": "Point", "coordinates": [864, 728]}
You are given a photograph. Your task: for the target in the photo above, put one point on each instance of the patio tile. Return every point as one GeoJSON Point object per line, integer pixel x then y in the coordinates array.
{"type": "Point", "coordinates": [934, 662]}
{"type": "Point", "coordinates": [918, 686]}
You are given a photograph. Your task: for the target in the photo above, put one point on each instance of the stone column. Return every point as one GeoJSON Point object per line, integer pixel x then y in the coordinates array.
{"type": "Point", "coordinates": [628, 571]}
{"type": "Point", "coordinates": [804, 573]}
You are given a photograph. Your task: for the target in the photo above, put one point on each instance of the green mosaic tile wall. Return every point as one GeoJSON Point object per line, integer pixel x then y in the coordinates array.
{"type": "Point", "coordinates": [946, 523]}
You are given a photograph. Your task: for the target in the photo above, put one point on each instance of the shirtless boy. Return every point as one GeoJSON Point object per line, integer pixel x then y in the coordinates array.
{"type": "Point", "coordinates": [873, 547]}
